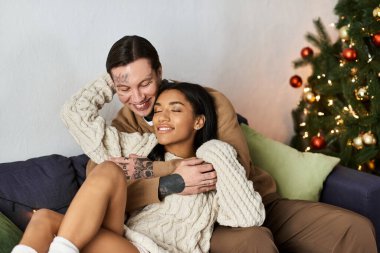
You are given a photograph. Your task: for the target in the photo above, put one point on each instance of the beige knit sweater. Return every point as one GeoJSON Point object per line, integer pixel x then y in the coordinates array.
{"type": "Point", "coordinates": [179, 223]}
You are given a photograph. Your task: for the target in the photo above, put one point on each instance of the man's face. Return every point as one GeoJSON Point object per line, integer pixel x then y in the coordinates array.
{"type": "Point", "coordinates": [136, 85]}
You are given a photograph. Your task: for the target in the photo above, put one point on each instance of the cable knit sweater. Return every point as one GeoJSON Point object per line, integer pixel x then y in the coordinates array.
{"type": "Point", "coordinates": [179, 223]}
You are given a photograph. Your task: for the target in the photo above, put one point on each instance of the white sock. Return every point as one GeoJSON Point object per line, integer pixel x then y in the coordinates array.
{"type": "Point", "coordinates": [62, 245]}
{"type": "Point", "coordinates": [20, 248]}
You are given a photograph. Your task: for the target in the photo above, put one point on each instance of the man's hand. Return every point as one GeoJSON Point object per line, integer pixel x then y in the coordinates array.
{"type": "Point", "coordinates": [192, 176]}
{"type": "Point", "coordinates": [134, 166]}
{"type": "Point", "coordinates": [198, 176]}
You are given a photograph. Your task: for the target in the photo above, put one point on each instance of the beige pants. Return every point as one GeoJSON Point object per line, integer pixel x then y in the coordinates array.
{"type": "Point", "coordinates": [299, 227]}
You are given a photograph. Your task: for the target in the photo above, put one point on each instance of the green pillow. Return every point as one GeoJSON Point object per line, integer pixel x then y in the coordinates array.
{"type": "Point", "coordinates": [298, 175]}
{"type": "Point", "coordinates": [10, 234]}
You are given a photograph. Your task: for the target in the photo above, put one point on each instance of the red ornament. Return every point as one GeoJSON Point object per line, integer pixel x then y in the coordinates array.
{"type": "Point", "coordinates": [318, 142]}
{"type": "Point", "coordinates": [295, 81]}
{"type": "Point", "coordinates": [376, 39]}
{"type": "Point", "coordinates": [349, 54]}
{"type": "Point", "coordinates": [307, 52]}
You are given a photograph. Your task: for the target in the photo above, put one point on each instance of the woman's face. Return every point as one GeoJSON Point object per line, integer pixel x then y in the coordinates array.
{"type": "Point", "coordinates": [175, 124]}
{"type": "Point", "coordinates": [136, 85]}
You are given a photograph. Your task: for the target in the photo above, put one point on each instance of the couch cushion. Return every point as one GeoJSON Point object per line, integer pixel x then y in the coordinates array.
{"type": "Point", "coordinates": [44, 182]}
{"type": "Point", "coordinates": [298, 175]}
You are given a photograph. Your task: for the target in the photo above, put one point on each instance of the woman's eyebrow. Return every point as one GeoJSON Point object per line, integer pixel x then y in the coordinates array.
{"type": "Point", "coordinates": [176, 102]}
{"type": "Point", "coordinates": [171, 103]}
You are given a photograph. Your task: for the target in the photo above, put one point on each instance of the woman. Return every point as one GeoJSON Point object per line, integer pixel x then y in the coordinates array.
{"type": "Point", "coordinates": [184, 123]}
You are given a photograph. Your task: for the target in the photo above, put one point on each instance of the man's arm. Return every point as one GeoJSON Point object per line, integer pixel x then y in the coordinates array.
{"type": "Point", "coordinates": [229, 131]}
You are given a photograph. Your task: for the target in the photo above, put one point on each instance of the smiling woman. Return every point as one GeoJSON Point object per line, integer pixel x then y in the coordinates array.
{"type": "Point", "coordinates": [180, 114]}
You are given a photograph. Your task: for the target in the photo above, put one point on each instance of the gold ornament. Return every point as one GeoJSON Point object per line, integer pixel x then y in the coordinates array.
{"type": "Point", "coordinates": [309, 97]}
{"type": "Point", "coordinates": [357, 142]}
{"type": "Point", "coordinates": [376, 13]}
{"type": "Point", "coordinates": [371, 164]}
{"type": "Point", "coordinates": [362, 93]}
{"type": "Point", "coordinates": [369, 138]}
{"type": "Point", "coordinates": [343, 33]}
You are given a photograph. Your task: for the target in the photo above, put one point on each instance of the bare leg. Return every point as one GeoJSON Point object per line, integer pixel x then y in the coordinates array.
{"type": "Point", "coordinates": [100, 202]}
{"type": "Point", "coordinates": [45, 224]}
{"type": "Point", "coordinates": [108, 241]}
{"type": "Point", "coordinates": [41, 229]}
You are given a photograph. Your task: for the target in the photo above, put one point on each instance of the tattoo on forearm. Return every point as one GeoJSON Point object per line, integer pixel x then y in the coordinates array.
{"type": "Point", "coordinates": [143, 168]}
{"type": "Point", "coordinates": [170, 184]}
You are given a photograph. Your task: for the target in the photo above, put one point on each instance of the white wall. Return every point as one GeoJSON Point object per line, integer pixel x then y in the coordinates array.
{"type": "Point", "coordinates": [50, 49]}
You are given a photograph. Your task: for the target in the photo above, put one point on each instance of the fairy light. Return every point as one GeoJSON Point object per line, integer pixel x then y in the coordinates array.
{"type": "Point", "coordinates": [321, 114]}
{"type": "Point", "coordinates": [329, 82]}
{"type": "Point", "coordinates": [303, 124]}
{"type": "Point", "coordinates": [317, 97]}
{"type": "Point", "coordinates": [330, 102]}
{"type": "Point", "coordinates": [306, 89]}
{"type": "Point", "coordinates": [305, 135]}
{"type": "Point", "coordinates": [370, 58]}
{"type": "Point", "coordinates": [307, 149]}
{"type": "Point", "coordinates": [353, 113]}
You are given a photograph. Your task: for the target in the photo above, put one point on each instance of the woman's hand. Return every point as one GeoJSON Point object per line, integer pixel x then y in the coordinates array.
{"type": "Point", "coordinates": [134, 166]}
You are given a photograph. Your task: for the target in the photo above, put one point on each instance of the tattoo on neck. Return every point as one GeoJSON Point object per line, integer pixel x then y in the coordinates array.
{"type": "Point", "coordinates": [143, 168]}
{"type": "Point", "coordinates": [170, 184]}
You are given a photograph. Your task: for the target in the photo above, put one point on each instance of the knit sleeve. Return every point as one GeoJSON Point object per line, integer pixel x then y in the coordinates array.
{"type": "Point", "coordinates": [239, 204]}
{"type": "Point", "coordinates": [97, 139]}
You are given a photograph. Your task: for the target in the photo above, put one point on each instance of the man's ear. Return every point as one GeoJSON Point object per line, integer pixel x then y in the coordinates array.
{"type": "Point", "coordinates": [199, 122]}
{"type": "Point", "coordinates": [159, 73]}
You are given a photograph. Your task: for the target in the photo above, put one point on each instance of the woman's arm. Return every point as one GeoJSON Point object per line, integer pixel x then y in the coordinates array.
{"type": "Point", "coordinates": [98, 140]}
{"type": "Point", "coordinates": [240, 205]}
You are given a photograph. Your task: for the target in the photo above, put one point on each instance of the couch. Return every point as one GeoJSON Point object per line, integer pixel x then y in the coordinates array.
{"type": "Point", "coordinates": [52, 181]}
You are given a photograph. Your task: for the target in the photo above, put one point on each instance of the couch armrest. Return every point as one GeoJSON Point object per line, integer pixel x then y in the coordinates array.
{"type": "Point", "coordinates": [355, 191]}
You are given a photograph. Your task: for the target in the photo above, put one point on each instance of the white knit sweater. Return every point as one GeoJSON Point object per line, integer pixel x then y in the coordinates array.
{"type": "Point", "coordinates": [179, 223]}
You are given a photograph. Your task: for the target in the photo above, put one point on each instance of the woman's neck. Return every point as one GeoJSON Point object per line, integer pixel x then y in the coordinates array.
{"type": "Point", "coordinates": [183, 151]}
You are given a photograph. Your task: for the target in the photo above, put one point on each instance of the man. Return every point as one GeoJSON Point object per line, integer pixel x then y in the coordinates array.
{"type": "Point", "coordinates": [291, 226]}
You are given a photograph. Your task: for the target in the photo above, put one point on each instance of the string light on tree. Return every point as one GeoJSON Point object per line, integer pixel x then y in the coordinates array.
{"type": "Point", "coordinates": [343, 33]}
{"type": "Point", "coordinates": [354, 71]}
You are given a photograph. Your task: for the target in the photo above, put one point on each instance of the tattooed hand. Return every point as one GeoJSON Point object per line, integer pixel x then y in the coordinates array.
{"type": "Point", "coordinates": [134, 166]}
{"type": "Point", "coordinates": [192, 176]}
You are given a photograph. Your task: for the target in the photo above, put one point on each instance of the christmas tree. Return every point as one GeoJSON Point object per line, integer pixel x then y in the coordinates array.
{"type": "Point", "coordinates": [339, 112]}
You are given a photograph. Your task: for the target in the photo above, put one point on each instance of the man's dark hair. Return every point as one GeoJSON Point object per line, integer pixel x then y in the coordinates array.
{"type": "Point", "coordinates": [202, 103]}
{"type": "Point", "coordinates": [129, 49]}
